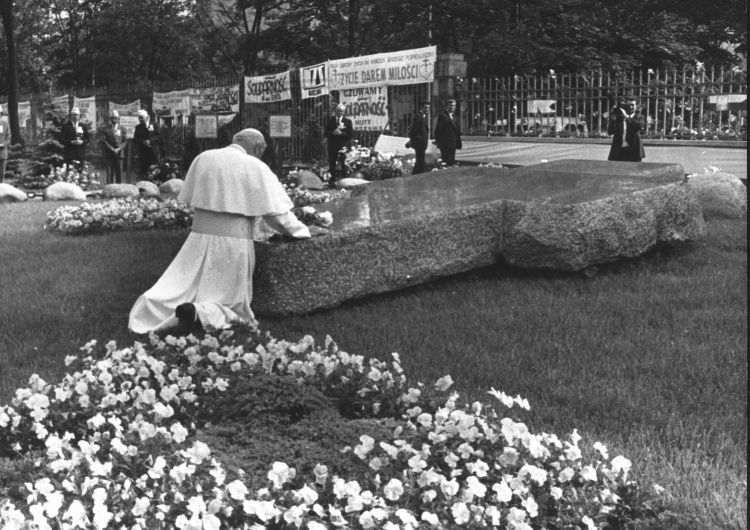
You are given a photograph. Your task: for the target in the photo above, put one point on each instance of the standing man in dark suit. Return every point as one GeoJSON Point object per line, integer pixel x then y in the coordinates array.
{"type": "Point", "coordinates": [114, 139]}
{"type": "Point", "coordinates": [419, 136]}
{"type": "Point", "coordinates": [147, 137]}
{"type": "Point", "coordinates": [625, 127]}
{"type": "Point", "coordinates": [338, 131]}
{"type": "Point", "coordinates": [448, 133]}
{"type": "Point", "coordinates": [75, 138]}
{"type": "Point", "coordinates": [4, 143]}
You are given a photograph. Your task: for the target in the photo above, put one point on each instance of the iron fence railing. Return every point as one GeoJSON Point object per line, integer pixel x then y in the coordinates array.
{"type": "Point", "coordinates": [690, 103]}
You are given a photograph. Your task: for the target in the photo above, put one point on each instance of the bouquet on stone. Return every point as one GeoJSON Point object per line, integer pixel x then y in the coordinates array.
{"type": "Point", "coordinates": [309, 216]}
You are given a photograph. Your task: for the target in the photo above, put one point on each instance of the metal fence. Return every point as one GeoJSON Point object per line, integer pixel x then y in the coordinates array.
{"type": "Point", "coordinates": [305, 144]}
{"type": "Point", "coordinates": [691, 103]}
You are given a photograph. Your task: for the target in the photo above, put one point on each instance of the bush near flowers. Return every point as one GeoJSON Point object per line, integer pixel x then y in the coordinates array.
{"type": "Point", "coordinates": [121, 443]}
{"type": "Point", "coordinates": [117, 215]}
{"type": "Point", "coordinates": [84, 179]}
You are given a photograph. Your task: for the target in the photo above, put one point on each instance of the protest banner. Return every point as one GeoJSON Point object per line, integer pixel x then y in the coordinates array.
{"type": "Point", "coordinates": [129, 122]}
{"type": "Point", "coordinates": [24, 113]}
{"type": "Point", "coordinates": [61, 105]}
{"type": "Point", "coordinates": [396, 68]}
{"type": "Point", "coordinates": [314, 80]}
{"type": "Point", "coordinates": [130, 109]}
{"type": "Point", "coordinates": [171, 104]}
{"type": "Point", "coordinates": [206, 126]}
{"type": "Point", "coordinates": [215, 100]}
{"type": "Point", "coordinates": [366, 107]}
{"type": "Point", "coordinates": [268, 88]}
{"type": "Point", "coordinates": [87, 106]}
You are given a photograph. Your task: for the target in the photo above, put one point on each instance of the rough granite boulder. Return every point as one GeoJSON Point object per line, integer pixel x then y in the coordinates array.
{"type": "Point", "coordinates": [171, 188]}
{"type": "Point", "coordinates": [721, 195]}
{"type": "Point", "coordinates": [9, 193]}
{"type": "Point", "coordinates": [148, 189]}
{"type": "Point", "coordinates": [308, 180]}
{"type": "Point", "coordinates": [63, 191]}
{"type": "Point", "coordinates": [565, 215]}
{"type": "Point", "coordinates": [120, 191]}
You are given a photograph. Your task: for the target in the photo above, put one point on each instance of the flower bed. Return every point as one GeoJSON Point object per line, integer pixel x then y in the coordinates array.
{"type": "Point", "coordinates": [374, 165]}
{"type": "Point", "coordinates": [121, 443]}
{"type": "Point", "coordinates": [119, 215]}
{"type": "Point", "coordinates": [86, 180]}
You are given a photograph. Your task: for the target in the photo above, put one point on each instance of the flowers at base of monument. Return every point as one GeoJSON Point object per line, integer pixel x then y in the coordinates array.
{"type": "Point", "coordinates": [117, 444]}
{"type": "Point", "coordinates": [119, 215]}
{"type": "Point", "coordinates": [374, 165]}
{"type": "Point", "coordinates": [84, 179]}
{"type": "Point", "coordinates": [301, 197]}
{"type": "Point", "coordinates": [164, 171]}
{"type": "Point", "coordinates": [309, 216]}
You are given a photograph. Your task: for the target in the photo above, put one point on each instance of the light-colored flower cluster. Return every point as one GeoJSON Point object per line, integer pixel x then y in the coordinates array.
{"type": "Point", "coordinates": [119, 215]}
{"type": "Point", "coordinates": [85, 179]}
{"type": "Point", "coordinates": [301, 197]}
{"type": "Point", "coordinates": [121, 450]}
{"type": "Point", "coordinates": [374, 165]}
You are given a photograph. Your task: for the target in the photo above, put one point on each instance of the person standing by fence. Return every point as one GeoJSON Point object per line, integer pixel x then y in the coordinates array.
{"type": "Point", "coordinates": [338, 131]}
{"type": "Point", "coordinates": [625, 126]}
{"type": "Point", "coordinates": [4, 143]}
{"type": "Point", "coordinates": [448, 133]}
{"type": "Point", "coordinates": [75, 138]}
{"type": "Point", "coordinates": [147, 137]}
{"type": "Point", "coordinates": [114, 139]}
{"type": "Point", "coordinates": [419, 136]}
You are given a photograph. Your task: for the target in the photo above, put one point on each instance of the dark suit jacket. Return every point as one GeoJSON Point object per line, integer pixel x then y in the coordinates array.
{"type": "Point", "coordinates": [419, 133]}
{"type": "Point", "coordinates": [447, 132]}
{"type": "Point", "coordinates": [338, 141]}
{"type": "Point", "coordinates": [70, 150]}
{"type": "Point", "coordinates": [152, 133]}
{"type": "Point", "coordinates": [634, 151]}
{"type": "Point", "coordinates": [111, 141]}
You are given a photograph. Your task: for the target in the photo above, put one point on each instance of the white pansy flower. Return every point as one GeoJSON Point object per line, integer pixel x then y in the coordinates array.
{"type": "Point", "coordinates": [393, 490]}
{"type": "Point", "coordinates": [589, 473]}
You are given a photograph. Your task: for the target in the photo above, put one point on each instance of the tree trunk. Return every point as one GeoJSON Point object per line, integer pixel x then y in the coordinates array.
{"type": "Point", "coordinates": [6, 13]}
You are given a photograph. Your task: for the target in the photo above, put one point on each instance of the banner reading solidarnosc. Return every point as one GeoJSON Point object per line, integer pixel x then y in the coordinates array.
{"type": "Point", "coordinates": [87, 106]}
{"type": "Point", "coordinates": [366, 107]}
{"type": "Point", "coordinates": [396, 68]}
{"type": "Point", "coordinates": [268, 88]}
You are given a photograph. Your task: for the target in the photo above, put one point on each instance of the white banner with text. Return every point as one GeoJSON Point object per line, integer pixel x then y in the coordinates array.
{"type": "Point", "coordinates": [268, 88]}
{"type": "Point", "coordinates": [406, 67]}
{"type": "Point", "coordinates": [366, 107]}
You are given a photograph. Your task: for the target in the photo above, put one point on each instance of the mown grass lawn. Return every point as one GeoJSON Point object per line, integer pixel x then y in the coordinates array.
{"type": "Point", "coordinates": [647, 355]}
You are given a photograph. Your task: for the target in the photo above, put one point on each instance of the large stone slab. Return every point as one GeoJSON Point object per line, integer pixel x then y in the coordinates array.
{"type": "Point", "coordinates": [565, 215]}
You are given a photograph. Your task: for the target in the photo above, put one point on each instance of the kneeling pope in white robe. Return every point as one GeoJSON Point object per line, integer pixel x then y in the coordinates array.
{"type": "Point", "coordinates": [229, 189]}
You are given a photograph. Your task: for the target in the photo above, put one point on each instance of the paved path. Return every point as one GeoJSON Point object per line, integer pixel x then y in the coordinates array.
{"type": "Point", "coordinates": [694, 158]}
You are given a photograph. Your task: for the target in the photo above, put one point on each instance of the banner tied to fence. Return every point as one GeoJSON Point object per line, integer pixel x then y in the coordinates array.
{"type": "Point", "coordinates": [128, 109]}
{"type": "Point", "coordinates": [395, 68]}
{"type": "Point", "coordinates": [87, 106]}
{"type": "Point", "coordinates": [24, 112]}
{"type": "Point", "coordinates": [268, 88]}
{"type": "Point", "coordinates": [61, 104]}
{"type": "Point", "coordinates": [367, 107]}
{"type": "Point", "coordinates": [171, 104]}
{"type": "Point", "coordinates": [215, 100]}
{"type": "Point", "coordinates": [314, 80]}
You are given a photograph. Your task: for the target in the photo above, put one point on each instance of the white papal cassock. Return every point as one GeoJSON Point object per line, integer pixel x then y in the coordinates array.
{"type": "Point", "coordinates": [229, 191]}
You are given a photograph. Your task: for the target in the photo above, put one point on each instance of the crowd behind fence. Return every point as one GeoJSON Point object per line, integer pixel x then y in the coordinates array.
{"type": "Point", "coordinates": [693, 103]}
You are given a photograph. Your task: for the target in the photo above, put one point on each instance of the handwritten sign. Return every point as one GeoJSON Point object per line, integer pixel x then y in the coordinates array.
{"type": "Point", "coordinates": [206, 126]}
{"type": "Point", "coordinates": [268, 88]}
{"type": "Point", "coordinates": [366, 107]}
{"type": "Point", "coordinates": [280, 126]}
